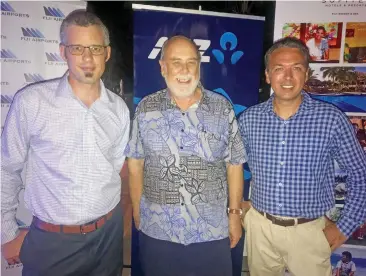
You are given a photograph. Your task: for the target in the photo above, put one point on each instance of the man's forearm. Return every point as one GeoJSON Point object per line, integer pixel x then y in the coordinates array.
{"type": "Point", "coordinates": [235, 181]}
{"type": "Point", "coordinates": [10, 187]}
{"type": "Point", "coordinates": [135, 182]}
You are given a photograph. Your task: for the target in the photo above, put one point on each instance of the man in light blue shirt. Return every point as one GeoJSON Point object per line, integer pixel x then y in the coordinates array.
{"type": "Point", "coordinates": [72, 133]}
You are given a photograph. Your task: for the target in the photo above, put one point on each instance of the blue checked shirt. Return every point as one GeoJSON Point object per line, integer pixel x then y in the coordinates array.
{"type": "Point", "coordinates": [292, 161]}
{"type": "Point", "coordinates": [185, 154]}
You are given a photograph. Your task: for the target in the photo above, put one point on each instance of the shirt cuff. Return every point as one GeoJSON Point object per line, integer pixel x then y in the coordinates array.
{"type": "Point", "coordinates": [347, 226]}
{"type": "Point", "coordinates": [9, 231]}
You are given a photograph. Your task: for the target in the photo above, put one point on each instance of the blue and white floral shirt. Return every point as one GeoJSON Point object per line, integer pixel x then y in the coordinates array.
{"type": "Point", "coordinates": [185, 155]}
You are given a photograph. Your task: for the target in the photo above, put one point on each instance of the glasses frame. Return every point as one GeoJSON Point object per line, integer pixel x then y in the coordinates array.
{"type": "Point", "coordinates": [68, 47]}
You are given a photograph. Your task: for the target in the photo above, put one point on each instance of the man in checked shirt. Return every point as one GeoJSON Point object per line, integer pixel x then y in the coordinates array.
{"type": "Point", "coordinates": [69, 134]}
{"type": "Point", "coordinates": [292, 142]}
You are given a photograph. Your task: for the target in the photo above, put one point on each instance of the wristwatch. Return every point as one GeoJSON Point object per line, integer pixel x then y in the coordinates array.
{"type": "Point", "coordinates": [235, 211]}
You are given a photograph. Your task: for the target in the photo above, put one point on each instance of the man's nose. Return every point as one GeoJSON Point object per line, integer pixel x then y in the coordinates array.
{"type": "Point", "coordinates": [87, 55]}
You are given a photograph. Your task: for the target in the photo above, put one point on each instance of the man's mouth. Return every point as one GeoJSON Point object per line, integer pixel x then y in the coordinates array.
{"type": "Point", "coordinates": [287, 86]}
{"type": "Point", "coordinates": [88, 69]}
{"type": "Point", "coordinates": [183, 80]}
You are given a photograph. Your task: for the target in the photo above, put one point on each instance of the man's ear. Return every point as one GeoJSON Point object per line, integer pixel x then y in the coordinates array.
{"type": "Point", "coordinates": [162, 67]}
{"type": "Point", "coordinates": [268, 80]}
{"type": "Point", "coordinates": [63, 52]}
{"type": "Point", "coordinates": [108, 54]}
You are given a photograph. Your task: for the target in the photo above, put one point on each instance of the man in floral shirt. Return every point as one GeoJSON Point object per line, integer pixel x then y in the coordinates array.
{"type": "Point", "coordinates": [185, 160]}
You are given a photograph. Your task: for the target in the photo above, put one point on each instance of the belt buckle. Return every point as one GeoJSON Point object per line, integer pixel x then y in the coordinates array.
{"type": "Point", "coordinates": [82, 230]}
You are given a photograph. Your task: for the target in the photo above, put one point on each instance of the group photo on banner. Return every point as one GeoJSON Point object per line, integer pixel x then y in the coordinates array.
{"type": "Point", "coordinates": [153, 139]}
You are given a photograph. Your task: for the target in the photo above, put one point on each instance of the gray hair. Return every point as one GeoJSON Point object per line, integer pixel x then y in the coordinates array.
{"type": "Point", "coordinates": [82, 18]}
{"type": "Point", "coordinates": [177, 37]}
{"type": "Point", "coordinates": [288, 42]}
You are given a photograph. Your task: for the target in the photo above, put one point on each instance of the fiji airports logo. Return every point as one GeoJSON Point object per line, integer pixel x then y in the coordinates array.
{"type": "Point", "coordinates": [3, 36]}
{"type": "Point", "coordinates": [53, 14]}
{"type": "Point", "coordinates": [35, 35]}
{"type": "Point", "coordinates": [6, 100]}
{"type": "Point", "coordinates": [30, 78]}
{"type": "Point", "coordinates": [8, 10]}
{"type": "Point", "coordinates": [7, 56]}
{"type": "Point", "coordinates": [54, 59]}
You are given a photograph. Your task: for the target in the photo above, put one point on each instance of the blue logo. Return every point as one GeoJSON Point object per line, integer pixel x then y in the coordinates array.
{"type": "Point", "coordinates": [30, 32]}
{"type": "Point", "coordinates": [33, 77]}
{"type": "Point", "coordinates": [5, 99]}
{"type": "Point", "coordinates": [54, 57]}
{"type": "Point", "coordinates": [55, 12]}
{"type": "Point", "coordinates": [238, 108]}
{"type": "Point", "coordinates": [228, 42]}
{"type": "Point", "coordinates": [5, 6]}
{"type": "Point", "coordinates": [6, 53]}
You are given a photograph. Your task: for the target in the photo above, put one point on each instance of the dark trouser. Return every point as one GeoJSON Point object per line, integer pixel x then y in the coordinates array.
{"type": "Point", "coordinates": [97, 253]}
{"type": "Point", "coordinates": [164, 258]}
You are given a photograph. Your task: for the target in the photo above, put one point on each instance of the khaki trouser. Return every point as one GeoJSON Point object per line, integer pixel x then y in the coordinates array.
{"type": "Point", "coordinates": [302, 249]}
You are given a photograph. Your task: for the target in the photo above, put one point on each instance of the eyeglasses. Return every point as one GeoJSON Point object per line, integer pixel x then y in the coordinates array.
{"type": "Point", "coordinates": [78, 50]}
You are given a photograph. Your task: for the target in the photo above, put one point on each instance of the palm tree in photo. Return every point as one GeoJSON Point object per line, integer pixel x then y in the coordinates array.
{"type": "Point", "coordinates": [311, 75]}
{"type": "Point", "coordinates": [330, 72]}
{"type": "Point", "coordinates": [346, 76]}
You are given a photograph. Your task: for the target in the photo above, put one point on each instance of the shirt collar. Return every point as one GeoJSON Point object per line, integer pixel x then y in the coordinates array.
{"type": "Point", "coordinates": [306, 104]}
{"type": "Point", "coordinates": [64, 90]}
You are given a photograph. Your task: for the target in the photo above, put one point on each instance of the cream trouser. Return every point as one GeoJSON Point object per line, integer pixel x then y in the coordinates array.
{"type": "Point", "coordinates": [302, 249]}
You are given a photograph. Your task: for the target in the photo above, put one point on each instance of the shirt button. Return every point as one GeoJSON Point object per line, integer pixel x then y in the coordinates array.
{"type": "Point", "coordinates": [182, 204]}
{"type": "Point", "coordinates": [282, 163]}
{"type": "Point", "coordinates": [181, 147]}
{"type": "Point", "coordinates": [280, 184]}
{"type": "Point", "coordinates": [183, 114]}
{"type": "Point", "coordinates": [285, 122]}
{"type": "Point", "coordinates": [283, 142]}
{"type": "Point", "coordinates": [280, 205]}
{"type": "Point", "coordinates": [182, 130]}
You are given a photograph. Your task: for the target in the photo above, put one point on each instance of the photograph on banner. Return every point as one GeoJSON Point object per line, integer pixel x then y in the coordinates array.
{"type": "Point", "coordinates": [344, 87]}
{"type": "Point", "coordinates": [324, 40]}
{"type": "Point", "coordinates": [336, 81]}
{"type": "Point", "coordinates": [356, 244]}
{"type": "Point", "coordinates": [355, 43]}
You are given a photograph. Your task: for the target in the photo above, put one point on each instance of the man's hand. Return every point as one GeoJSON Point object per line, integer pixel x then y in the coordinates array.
{"type": "Point", "coordinates": [11, 249]}
{"type": "Point", "coordinates": [235, 230]}
{"type": "Point", "coordinates": [136, 218]}
{"type": "Point", "coordinates": [245, 206]}
{"type": "Point", "coordinates": [334, 236]}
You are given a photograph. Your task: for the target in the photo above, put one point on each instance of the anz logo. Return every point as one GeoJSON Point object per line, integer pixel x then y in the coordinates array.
{"type": "Point", "coordinates": [201, 43]}
{"type": "Point", "coordinates": [228, 43]}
